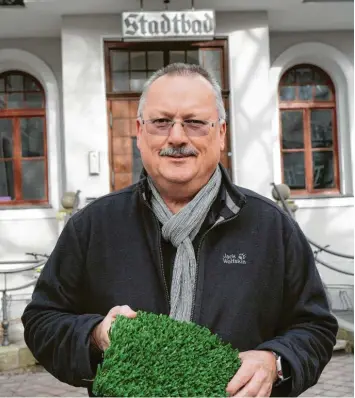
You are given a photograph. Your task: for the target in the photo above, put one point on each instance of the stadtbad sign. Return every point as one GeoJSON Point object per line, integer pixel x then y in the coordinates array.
{"type": "Point", "coordinates": [168, 24]}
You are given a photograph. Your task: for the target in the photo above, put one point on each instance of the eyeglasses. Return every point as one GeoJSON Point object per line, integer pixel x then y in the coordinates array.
{"type": "Point", "coordinates": [192, 127]}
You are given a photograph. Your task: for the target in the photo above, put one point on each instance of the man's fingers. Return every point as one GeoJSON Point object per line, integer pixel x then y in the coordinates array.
{"type": "Point", "coordinates": [265, 391]}
{"type": "Point", "coordinates": [105, 342]}
{"type": "Point", "coordinates": [252, 388]}
{"type": "Point", "coordinates": [128, 312]}
{"type": "Point", "coordinates": [103, 339]}
{"type": "Point", "coordinates": [242, 355]}
{"type": "Point", "coordinates": [124, 310]}
{"type": "Point", "coordinates": [241, 378]}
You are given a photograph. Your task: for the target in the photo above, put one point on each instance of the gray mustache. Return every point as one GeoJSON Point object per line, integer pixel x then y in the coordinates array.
{"type": "Point", "coordinates": [178, 151]}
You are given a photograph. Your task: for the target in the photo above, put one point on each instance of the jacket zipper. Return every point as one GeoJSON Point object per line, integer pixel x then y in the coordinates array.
{"type": "Point", "coordinates": [198, 257]}
{"type": "Point", "coordinates": [161, 258]}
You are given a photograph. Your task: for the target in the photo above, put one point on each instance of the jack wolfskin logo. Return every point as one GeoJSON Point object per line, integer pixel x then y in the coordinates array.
{"type": "Point", "coordinates": [233, 259]}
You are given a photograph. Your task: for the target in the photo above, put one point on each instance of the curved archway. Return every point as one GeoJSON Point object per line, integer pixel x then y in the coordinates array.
{"type": "Point", "coordinates": [340, 69]}
{"type": "Point", "coordinates": [15, 59]}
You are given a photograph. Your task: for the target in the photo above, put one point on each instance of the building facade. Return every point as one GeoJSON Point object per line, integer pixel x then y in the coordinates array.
{"type": "Point", "coordinates": [70, 83]}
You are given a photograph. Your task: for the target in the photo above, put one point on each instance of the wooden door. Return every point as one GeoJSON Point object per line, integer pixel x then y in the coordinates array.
{"type": "Point", "coordinates": [128, 65]}
{"type": "Point", "coordinates": [125, 160]}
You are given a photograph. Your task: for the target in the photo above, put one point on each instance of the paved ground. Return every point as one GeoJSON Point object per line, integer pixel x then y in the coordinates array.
{"type": "Point", "coordinates": [337, 380]}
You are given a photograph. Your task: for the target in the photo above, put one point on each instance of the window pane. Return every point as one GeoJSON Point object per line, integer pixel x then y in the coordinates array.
{"type": "Point", "coordinates": [192, 57]}
{"type": "Point", "coordinates": [217, 74]}
{"type": "Point", "coordinates": [212, 59]}
{"type": "Point", "coordinates": [138, 60]}
{"type": "Point", "coordinates": [305, 93]}
{"type": "Point", "coordinates": [137, 80]}
{"type": "Point", "coordinates": [15, 83]}
{"type": "Point", "coordinates": [30, 84]}
{"type": "Point", "coordinates": [323, 170]}
{"type": "Point", "coordinates": [292, 129]}
{"type": "Point", "coordinates": [15, 101]}
{"type": "Point", "coordinates": [290, 77]}
{"type": "Point", "coordinates": [33, 180]}
{"type": "Point", "coordinates": [319, 77]}
{"type": "Point", "coordinates": [322, 128]}
{"type": "Point", "coordinates": [2, 101]}
{"type": "Point", "coordinates": [7, 183]}
{"type": "Point", "coordinates": [34, 100]}
{"type": "Point", "coordinates": [294, 173]}
{"type": "Point", "coordinates": [304, 75]}
{"type": "Point", "coordinates": [287, 93]}
{"type": "Point", "coordinates": [120, 81]}
{"type": "Point", "coordinates": [6, 138]}
{"type": "Point", "coordinates": [2, 85]}
{"type": "Point", "coordinates": [322, 93]}
{"type": "Point", "coordinates": [119, 61]}
{"type": "Point", "coordinates": [155, 60]}
{"type": "Point", "coordinates": [32, 137]}
{"type": "Point", "coordinates": [137, 161]}
{"type": "Point", "coordinates": [176, 56]}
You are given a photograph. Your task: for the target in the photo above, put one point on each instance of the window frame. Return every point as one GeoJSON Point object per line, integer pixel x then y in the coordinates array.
{"type": "Point", "coordinates": [15, 115]}
{"type": "Point", "coordinates": [165, 47]}
{"type": "Point", "coordinates": [306, 106]}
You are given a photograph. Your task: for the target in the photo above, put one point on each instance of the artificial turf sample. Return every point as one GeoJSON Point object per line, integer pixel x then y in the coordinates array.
{"type": "Point", "coordinates": [156, 356]}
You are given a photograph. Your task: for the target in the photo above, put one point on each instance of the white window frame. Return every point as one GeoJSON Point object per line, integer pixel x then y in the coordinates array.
{"type": "Point", "coordinates": [341, 71]}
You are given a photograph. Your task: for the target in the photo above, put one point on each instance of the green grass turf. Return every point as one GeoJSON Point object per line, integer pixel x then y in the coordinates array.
{"type": "Point", "coordinates": [156, 356]}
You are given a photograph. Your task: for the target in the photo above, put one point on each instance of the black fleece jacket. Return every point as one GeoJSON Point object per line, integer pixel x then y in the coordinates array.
{"type": "Point", "coordinates": [257, 285]}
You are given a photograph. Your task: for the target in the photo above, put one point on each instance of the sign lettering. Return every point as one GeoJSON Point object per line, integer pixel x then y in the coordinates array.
{"type": "Point", "coordinates": [169, 24]}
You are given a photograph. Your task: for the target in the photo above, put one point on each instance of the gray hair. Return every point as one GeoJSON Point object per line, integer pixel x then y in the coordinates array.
{"type": "Point", "coordinates": [181, 69]}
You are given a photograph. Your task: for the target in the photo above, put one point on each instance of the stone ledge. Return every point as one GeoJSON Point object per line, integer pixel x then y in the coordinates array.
{"type": "Point", "coordinates": [15, 356]}
{"type": "Point", "coordinates": [348, 337]}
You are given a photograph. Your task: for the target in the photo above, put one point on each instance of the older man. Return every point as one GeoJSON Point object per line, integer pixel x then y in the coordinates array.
{"type": "Point", "coordinates": [187, 242]}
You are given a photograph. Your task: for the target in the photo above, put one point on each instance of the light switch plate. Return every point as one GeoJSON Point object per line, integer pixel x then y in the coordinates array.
{"type": "Point", "coordinates": [94, 163]}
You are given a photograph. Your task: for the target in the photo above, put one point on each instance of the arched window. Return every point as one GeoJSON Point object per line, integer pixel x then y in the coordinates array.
{"type": "Point", "coordinates": [308, 131]}
{"type": "Point", "coordinates": [23, 145]}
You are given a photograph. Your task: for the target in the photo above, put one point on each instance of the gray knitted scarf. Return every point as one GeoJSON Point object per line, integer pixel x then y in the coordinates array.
{"type": "Point", "coordinates": [180, 229]}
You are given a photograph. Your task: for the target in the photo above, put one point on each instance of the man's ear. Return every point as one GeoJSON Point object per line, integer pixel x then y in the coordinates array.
{"type": "Point", "coordinates": [139, 127]}
{"type": "Point", "coordinates": [222, 135]}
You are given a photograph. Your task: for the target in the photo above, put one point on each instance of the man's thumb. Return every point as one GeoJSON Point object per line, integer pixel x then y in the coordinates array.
{"type": "Point", "coordinates": [127, 311]}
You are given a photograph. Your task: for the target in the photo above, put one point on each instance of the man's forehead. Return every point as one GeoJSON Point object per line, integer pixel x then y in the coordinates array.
{"type": "Point", "coordinates": [183, 82]}
{"type": "Point", "coordinates": [184, 91]}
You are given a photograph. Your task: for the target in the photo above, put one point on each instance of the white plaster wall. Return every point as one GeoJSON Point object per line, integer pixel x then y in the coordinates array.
{"type": "Point", "coordinates": [85, 114]}
{"type": "Point", "coordinates": [342, 40]}
{"type": "Point", "coordinates": [333, 226]}
{"type": "Point", "coordinates": [27, 235]}
{"type": "Point", "coordinates": [250, 106]}
{"type": "Point", "coordinates": [16, 238]}
{"type": "Point", "coordinates": [48, 49]}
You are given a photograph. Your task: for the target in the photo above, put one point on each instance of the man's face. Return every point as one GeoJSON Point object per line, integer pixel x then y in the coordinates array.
{"type": "Point", "coordinates": [180, 98]}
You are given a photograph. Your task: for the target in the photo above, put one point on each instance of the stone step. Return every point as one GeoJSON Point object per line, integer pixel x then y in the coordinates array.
{"type": "Point", "coordinates": [16, 356]}
{"type": "Point", "coordinates": [340, 345]}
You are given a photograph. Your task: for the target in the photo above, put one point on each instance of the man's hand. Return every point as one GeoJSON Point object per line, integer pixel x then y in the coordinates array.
{"type": "Point", "coordinates": [99, 335]}
{"type": "Point", "coordinates": [256, 375]}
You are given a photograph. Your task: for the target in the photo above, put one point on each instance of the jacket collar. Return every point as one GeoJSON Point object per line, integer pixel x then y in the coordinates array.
{"type": "Point", "coordinates": [234, 199]}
